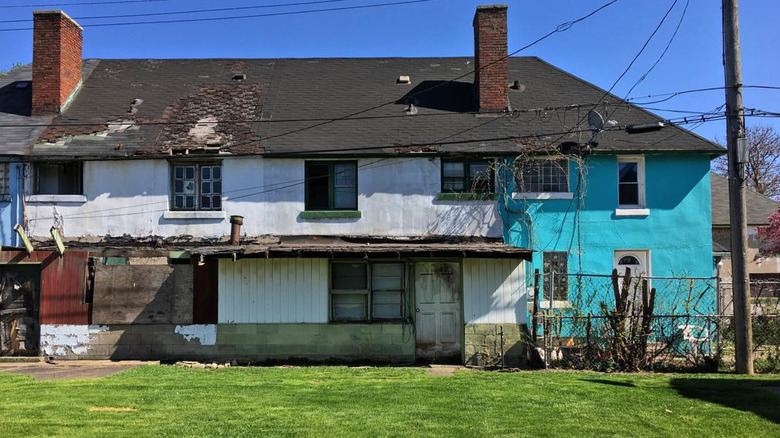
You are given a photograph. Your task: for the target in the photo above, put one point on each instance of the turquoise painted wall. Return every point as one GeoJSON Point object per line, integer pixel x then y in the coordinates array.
{"type": "Point", "coordinates": [677, 232]}
{"type": "Point", "coordinates": [11, 208]}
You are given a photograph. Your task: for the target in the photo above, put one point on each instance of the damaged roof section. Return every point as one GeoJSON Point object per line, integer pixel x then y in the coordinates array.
{"type": "Point", "coordinates": [217, 115]}
{"type": "Point", "coordinates": [136, 108]}
{"type": "Point", "coordinates": [301, 106]}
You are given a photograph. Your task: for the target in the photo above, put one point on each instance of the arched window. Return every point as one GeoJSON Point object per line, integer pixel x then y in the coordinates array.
{"type": "Point", "coordinates": [628, 261]}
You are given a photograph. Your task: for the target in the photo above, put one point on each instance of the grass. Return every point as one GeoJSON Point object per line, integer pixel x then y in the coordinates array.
{"type": "Point", "coordinates": [377, 402]}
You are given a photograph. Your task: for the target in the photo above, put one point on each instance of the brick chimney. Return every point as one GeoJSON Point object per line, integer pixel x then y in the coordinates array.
{"type": "Point", "coordinates": [491, 77]}
{"type": "Point", "coordinates": [57, 44]}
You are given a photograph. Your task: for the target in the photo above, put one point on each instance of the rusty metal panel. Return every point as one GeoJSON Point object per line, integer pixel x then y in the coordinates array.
{"type": "Point", "coordinates": [62, 284]}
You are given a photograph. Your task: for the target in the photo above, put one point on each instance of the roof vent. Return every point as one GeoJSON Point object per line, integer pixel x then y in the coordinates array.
{"type": "Point", "coordinates": [517, 86]}
{"type": "Point", "coordinates": [403, 80]}
{"type": "Point", "coordinates": [239, 77]}
{"type": "Point", "coordinates": [411, 109]}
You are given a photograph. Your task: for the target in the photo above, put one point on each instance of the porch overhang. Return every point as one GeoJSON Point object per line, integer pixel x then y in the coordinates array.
{"type": "Point", "coordinates": [368, 248]}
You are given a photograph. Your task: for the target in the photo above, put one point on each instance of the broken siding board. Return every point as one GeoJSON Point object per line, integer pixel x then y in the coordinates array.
{"type": "Point", "coordinates": [278, 285]}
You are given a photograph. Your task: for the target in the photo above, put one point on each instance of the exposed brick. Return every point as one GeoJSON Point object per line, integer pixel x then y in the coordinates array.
{"type": "Point", "coordinates": [57, 46]}
{"type": "Point", "coordinates": [491, 78]}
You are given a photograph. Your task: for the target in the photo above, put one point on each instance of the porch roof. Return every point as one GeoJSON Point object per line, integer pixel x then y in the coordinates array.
{"type": "Point", "coordinates": [337, 247]}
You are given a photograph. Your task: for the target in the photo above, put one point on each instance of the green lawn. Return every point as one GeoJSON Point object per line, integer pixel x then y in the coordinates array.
{"type": "Point", "coordinates": [344, 402]}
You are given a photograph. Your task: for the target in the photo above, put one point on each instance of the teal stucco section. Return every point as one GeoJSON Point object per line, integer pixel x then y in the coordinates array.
{"type": "Point", "coordinates": [11, 206]}
{"type": "Point", "coordinates": [676, 232]}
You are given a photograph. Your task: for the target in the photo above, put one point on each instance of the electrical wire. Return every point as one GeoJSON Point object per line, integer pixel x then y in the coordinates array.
{"type": "Point", "coordinates": [191, 11]}
{"type": "Point", "coordinates": [238, 17]}
{"type": "Point", "coordinates": [114, 2]}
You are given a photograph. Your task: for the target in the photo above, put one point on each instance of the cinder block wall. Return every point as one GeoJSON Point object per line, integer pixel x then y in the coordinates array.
{"type": "Point", "coordinates": [351, 343]}
{"type": "Point", "coordinates": [483, 344]}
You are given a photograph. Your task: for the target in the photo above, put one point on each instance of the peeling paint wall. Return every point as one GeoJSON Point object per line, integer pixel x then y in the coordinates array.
{"type": "Point", "coordinates": [69, 339]}
{"type": "Point", "coordinates": [397, 197]}
{"type": "Point", "coordinates": [206, 334]}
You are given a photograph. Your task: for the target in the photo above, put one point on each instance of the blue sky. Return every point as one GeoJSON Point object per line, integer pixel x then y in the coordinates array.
{"type": "Point", "coordinates": [597, 49]}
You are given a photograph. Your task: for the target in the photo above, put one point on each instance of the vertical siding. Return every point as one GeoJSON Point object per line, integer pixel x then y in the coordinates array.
{"type": "Point", "coordinates": [494, 291]}
{"type": "Point", "coordinates": [62, 284]}
{"type": "Point", "coordinates": [273, 291]}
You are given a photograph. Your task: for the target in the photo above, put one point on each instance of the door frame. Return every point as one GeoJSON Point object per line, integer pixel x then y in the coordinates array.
{"type": "Point", "coordinates": [413, 297]}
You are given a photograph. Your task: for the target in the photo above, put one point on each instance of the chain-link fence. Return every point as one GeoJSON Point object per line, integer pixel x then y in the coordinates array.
{"type": "Point", "coordinates": [630, 323]}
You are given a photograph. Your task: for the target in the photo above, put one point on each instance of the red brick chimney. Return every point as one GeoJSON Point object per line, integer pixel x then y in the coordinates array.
{"type": "Point", "coordinates": [57, 44]}
{"type": "Point", "coordinates": [491, 77]}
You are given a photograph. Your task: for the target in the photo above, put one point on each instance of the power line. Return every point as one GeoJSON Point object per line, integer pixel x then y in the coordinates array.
{"type": "Point", "coordinates": [563, 27]}
{"type": "Point", "coordinates": [238, 17]}
{"type": "Point", "coordinates": [119, 121]}
{"type": "Point", "coordinates": [673, 94]}
{"type": "Point", "coordinates": [267, 188]}
{"type": "Point", "coordinates": [666, 49]}
{"type": "Point", "coordinates": [191, 11]}
{"type": "Point", "coordinates": [48, 5]}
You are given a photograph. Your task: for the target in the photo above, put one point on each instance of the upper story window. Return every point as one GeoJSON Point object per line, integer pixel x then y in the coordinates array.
{"type": "Point", "coordinates": [59, 178]}
{"type": "Point", "coordinates": [5, 189]}
{"type": "Point", "coordinates": [543, 175]}
{"type": "Point", "coordinates": [331, 185]}
{"type": "Point", "coordinates": [196, 186]}
{"type": "Point", "coordinates": [362, 291]}
{"type": "Point", "coordinates": [467, 176]}
{"type": "Point", "coordinates": [631, 182]}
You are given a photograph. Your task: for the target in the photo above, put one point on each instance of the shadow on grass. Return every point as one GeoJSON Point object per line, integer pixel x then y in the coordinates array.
{"type": "Point", "coordinates": [759, 397]}
{"type": "Point", "coordinates": [609, 382]}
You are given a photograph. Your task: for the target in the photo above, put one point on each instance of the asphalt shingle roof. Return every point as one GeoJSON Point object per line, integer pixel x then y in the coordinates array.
{"type": "Point", "coordinates": [759, 207]}
{"type": "Point", "coordinates": [280, 90]}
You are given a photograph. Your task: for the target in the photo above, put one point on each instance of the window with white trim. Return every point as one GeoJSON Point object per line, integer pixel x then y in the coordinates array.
{"type": "Point", "coordinates": [196, 186]}
{"type": "Point", "coordinates": [59, 178]}
{"type": "Point", "coordinates": [362, 291]}
{"type": "Point", "coordinates": [631, 182]}
{"type": "Point", "coordinates": [542, 176]}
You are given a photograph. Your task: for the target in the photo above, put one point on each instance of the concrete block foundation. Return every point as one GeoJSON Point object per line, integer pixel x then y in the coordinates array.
{"type": "Point", "coordinates": [483, 344]}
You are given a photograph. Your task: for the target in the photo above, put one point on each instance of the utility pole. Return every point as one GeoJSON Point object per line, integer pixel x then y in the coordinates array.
{"type": "Point", "coordinates": [737, 155]}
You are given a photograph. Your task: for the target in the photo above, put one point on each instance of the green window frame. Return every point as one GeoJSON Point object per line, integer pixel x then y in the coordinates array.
{"type": "Point", "coordinates": [362, 291]}
{"type": "Point", "coordinates": [463, 176]}
{"type": "Point", "coordinates": [331, 185]}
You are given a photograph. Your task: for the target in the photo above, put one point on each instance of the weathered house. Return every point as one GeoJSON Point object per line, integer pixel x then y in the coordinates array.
{"type": "Point", "coordinates": [763, 269]}
{"type": "Point", "coordinates": [368, 200]}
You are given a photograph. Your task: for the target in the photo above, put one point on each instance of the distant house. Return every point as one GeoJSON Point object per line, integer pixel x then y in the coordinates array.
{"type": "Point", "coordinates": [763, 269]}
{"type": "Point", "coordinates": [371, 209]}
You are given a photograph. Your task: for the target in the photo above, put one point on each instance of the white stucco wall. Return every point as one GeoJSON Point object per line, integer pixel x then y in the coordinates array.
{"type": "Point", "coordinates": [397, 197]}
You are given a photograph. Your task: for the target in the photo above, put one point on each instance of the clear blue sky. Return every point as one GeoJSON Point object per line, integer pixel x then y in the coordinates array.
{"type": "Point", "coordinates": [596, 50]}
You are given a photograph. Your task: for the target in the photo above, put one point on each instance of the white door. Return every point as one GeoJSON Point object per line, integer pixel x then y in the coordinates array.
{"type": "Point", "coordinates": [639, 263]}
{"type": "Point", "coordinates": [438, 316]}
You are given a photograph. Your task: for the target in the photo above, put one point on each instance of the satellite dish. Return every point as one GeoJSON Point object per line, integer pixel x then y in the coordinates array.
{"type": "Point", "coordinates": [595, 121]}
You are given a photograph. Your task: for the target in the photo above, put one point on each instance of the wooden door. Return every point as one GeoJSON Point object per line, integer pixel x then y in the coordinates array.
{"type": "Point", "coordinates": [439, 315]}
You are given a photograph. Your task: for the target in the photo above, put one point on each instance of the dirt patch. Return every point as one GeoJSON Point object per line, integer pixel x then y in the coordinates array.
{"type": "Point", "coordinates": [443, 370]}
{"type": "Point", "coordinates": [111, 409]}
{"type": "Point", "coordinates": [70, 370]}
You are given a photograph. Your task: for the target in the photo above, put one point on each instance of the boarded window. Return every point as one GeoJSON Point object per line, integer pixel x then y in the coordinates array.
{"type": "Point", "coordinates": [357, 287]}
{"type": "Point", "coordinates": [469, 176]}
{"type": "Point", "coordinates": [197, 187]}
{"type": "Point", "coordinates": [557, 261]}
{"type": "Point", "coordinates": [331, 185]}
{"type": "Point", "coordinates": [58, 178]}
{"type": "Point", "coordinates": [543, 176]}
